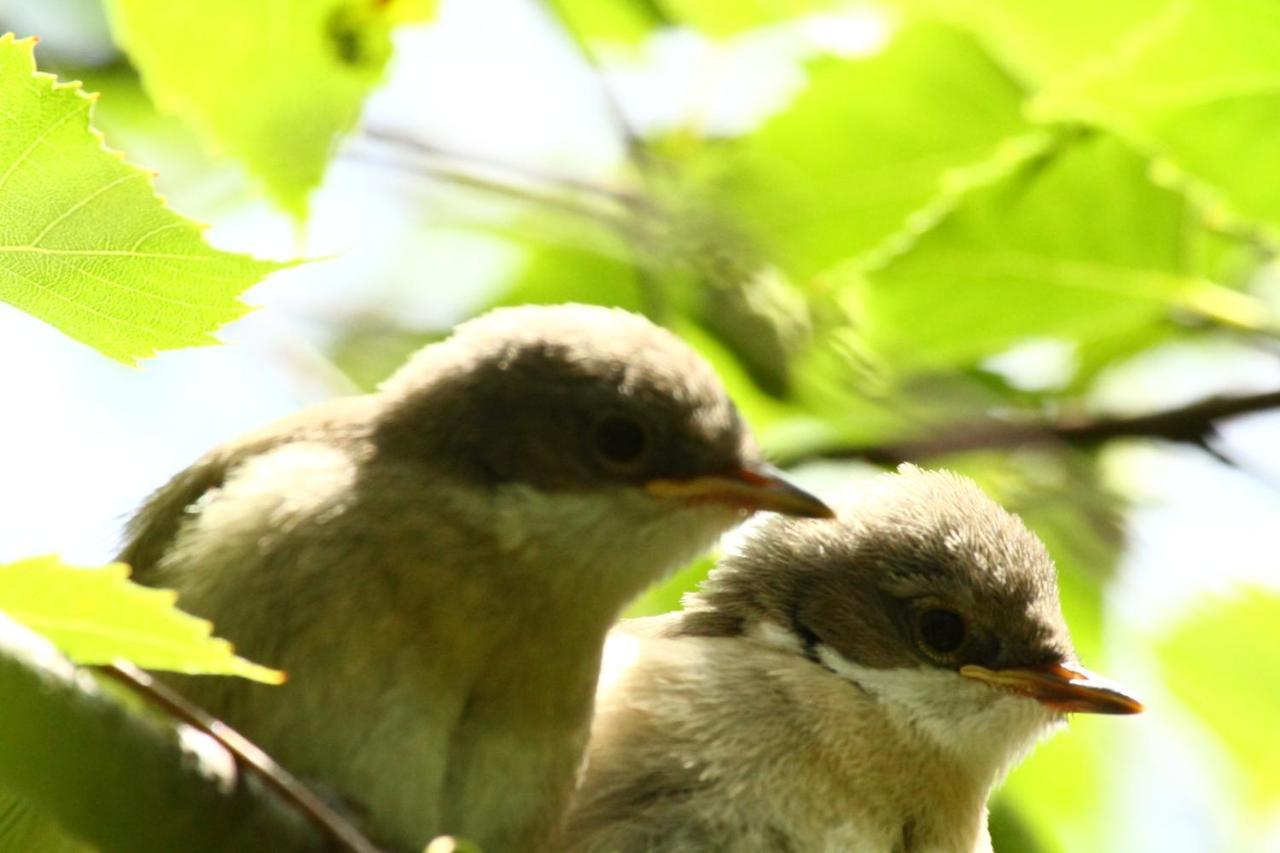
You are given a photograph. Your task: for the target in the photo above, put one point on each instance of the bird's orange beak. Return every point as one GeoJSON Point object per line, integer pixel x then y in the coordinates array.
{"type": "Point", "coordinates": [1066, 687]}
{"type": "Point", "coordinates": [759, 487]}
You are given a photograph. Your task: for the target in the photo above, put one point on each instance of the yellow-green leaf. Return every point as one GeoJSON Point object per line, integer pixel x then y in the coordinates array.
{"type": "Point", "coordinates": [85, 243]}
{"type": "Point", "coordinates": [632, 21]}
{"type": "Point", "coordinates": [871, 141]}
{"type": "Point", "coordinates": [1077, 244]}
{"type": "Point", "coordinates": [97, 615]}
{"type": "Point", "coordinates": [275, 84]}
{"type": "Point", "coordinates": [1222, 662]}
{"type": "Point", "coordinates": [1203, 89]}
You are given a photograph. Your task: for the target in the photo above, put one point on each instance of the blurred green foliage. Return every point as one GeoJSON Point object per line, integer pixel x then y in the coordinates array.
{"type": "Point", "coordinates": [275, 84]}
{"type": "Point", "coordinates": [1222, 661]}
{"type": "Point", "coordinates": [1093, 175]}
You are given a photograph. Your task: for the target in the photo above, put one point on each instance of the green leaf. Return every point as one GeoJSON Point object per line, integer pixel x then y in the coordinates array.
{"type": "Point", "coordinates": [870, 142]}
{"type": "Point", "coordinates": [1222, 662]}
{"type": "Point", "coordinates": [1202, 89]}
{"type": "Point", "coordinates": [1078, 244]}
{"type": "Point", "coordinates": [409, 11]}
{"type": "Point", "coordinates": [1047, 39]}
{"type": "Point", "coordinates": [728, 17]}
{"type": "Point", "coordinates": [632, 21]}
{"type": "Point", "coordinates": [553, 274]}
{"type": "Point", "coordinates": [85, 244]}
{"type": "Point", "coordinates": [96, 615]}
{"type": "Point", "coordinates": [618, 21]}
{"type": "Point", "coordinates": [276, 84]}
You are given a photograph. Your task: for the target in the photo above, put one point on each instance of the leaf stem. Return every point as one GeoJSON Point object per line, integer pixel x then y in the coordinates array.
{"type": "Point", "coordinates": [246, 754]}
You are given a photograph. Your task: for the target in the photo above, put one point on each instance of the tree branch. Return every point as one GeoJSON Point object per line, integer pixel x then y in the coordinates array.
{"type": "Point", "coordinates": [636, 148]}
{"type": "Point", "coordinates": [247, 755]}
{"type": "Point", "coordinates": [1195, 423]}
{"type": "Point", "coordinates": [123, 781]}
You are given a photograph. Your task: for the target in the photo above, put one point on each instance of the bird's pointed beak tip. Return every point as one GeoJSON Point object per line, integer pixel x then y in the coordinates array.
{"type": "Point", "coordinates": [1065, 687]}
{"type": "Point", "coordinates": [758, 487]}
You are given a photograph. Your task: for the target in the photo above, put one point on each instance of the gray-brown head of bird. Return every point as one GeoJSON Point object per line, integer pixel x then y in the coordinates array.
{"type": "Point", "coordinates": [585, 431]}
{"type": "Point", "coordinates": [929, 597]}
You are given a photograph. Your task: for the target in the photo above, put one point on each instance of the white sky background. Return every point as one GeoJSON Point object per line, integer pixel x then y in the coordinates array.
{"type": "Point", "coordinates": [83, 439]}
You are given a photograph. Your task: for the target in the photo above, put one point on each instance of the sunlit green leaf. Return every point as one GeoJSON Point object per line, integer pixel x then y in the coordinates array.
{"type": "Point", "coordinates": [1203, 89]}
{"type": "Point", "coordinates": [1047, 39]}
{"type": "Point", "coordinates": [96, 615]}
{"type": "Point", "coordinates": [631, 21]}
{"type": "Point", "coordinates": [187, 175]}
{"type": "Point", "coordinates": [409, 11]}
{"type": "Point", "coordinates": [727, 17]}
{"type": "Point", "coordinates": [275, 84]}
{"type": "Point", "coordinates": [870, 142]}
{"type": "Point", "coordinates": [553, 274]}
{"type": "Point", "coordinates": [1078, 244]}
{"type": "Point", "coordinates": [1222, 662]}
{"type": "Point", "coordinates": [615, 21]}
{"type": "Point", "coordinates": [85, 244]}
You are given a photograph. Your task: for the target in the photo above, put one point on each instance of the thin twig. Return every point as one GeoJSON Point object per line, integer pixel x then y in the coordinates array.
{"type": "Point", "coordinates": [620, 221]}
{"type": "Point", "coordinates": [1212, 445]}
{"type": "Point", "coordinates": [1191, 424]}
{"type": "Point", "coordinates": [519, 172]}
{"type": "Point", "coordinates": [637, 151]}
{"type": "Point", "coordinates": [246, 754]}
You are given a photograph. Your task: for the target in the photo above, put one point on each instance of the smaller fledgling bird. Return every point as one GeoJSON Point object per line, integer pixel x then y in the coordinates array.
{"type": "Point", "coordinates": [857, 685]}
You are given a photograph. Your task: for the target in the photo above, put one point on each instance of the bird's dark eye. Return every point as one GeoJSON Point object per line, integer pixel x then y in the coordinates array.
{"type": "Point", "coordinates": [621, 441]}
{"type": "Point", "coordinates": [941, 630]}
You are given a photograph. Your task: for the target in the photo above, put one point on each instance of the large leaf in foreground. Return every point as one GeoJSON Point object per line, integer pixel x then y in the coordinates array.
{"type": "Point", "coordinates": [275, 84]}
{"type": "Point", "coordinates": [85, 244]}
{"type": "Point", "coordinates": [97, 615]}
{"type": "Point", "coordinates": [1077, 244]}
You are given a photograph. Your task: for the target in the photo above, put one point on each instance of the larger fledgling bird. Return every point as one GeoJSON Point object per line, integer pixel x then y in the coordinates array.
{"type": "Point", "coordinates": [858, 685]}
{"type": "Point", "coordinates": [436, 564]}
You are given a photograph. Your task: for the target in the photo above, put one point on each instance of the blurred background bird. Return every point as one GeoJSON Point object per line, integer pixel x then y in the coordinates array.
{"type": "Point", "coordinates": [854, 685]}
{"type": "Point", "coordinates": [436, 564]}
